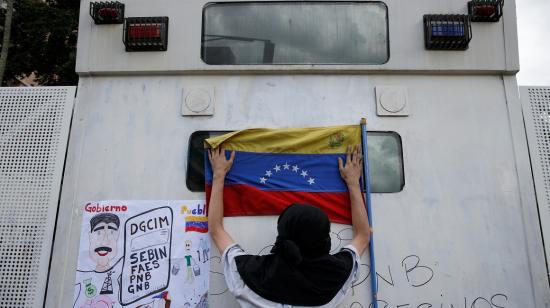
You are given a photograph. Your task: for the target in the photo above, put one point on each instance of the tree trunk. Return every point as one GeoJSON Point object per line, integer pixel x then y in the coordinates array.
{"type": "Point", "coordinates": [6, 39]}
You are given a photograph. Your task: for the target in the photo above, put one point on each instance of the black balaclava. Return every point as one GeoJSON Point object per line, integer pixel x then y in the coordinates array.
{"type": "Point", "coordinates": [300, 270]}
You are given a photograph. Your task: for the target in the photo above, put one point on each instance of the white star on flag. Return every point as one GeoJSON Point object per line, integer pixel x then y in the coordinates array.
{"type": "Point", "coordinates": [278, 170]}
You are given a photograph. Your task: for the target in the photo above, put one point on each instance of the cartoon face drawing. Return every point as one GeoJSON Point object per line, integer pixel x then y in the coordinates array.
{"type": "Point", "coordinates": [187, 245]}
{"type": "Point", "coordinates": [103, 239]}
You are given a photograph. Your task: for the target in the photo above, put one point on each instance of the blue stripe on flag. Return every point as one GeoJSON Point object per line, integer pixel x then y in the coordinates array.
{"type": "Point", "coordinates": [284, 172]}
{"type": "Point", "coordinates": [198, 224]}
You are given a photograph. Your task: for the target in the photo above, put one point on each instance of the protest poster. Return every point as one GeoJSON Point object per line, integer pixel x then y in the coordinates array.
{"type": "Point", "coordinates": [143, 254]}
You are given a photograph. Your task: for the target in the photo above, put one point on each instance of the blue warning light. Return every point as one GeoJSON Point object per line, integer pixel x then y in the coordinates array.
{"type": "Point", "coordinates": [453, 29]}
{"type": "Point", "coordinates": [447, 32]}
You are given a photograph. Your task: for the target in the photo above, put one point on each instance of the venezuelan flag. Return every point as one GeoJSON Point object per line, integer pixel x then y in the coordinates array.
{"type": "Point", "coordinates": [274, 168]}
{"type": "Point", "coordinates": [196, 223]}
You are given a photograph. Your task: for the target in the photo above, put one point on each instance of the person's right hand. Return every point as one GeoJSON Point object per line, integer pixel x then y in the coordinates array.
{"type": "Point", "coordinates": [351, 172]}
{"type": "Point", "coordinates": [220, 164]}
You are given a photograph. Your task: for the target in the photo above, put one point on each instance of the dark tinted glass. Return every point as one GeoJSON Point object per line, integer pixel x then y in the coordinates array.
{"type": "Point", "coordinates": [295, 33]}
{"type": "Point", "coordinates": [385, 161]}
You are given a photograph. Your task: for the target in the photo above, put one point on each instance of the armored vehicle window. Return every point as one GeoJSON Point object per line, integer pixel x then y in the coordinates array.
{"type": "Point", "coordinates": [385, 161]}
{"type": "Point", "coordinates": [295, 33]}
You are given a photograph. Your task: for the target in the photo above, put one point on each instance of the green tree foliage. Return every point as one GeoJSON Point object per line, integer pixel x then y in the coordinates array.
{"type": "Point", "coordinates": [43, 41]}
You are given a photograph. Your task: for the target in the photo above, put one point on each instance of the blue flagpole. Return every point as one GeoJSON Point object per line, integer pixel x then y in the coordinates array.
{"type": "Point", "coordinates": [366, 187]}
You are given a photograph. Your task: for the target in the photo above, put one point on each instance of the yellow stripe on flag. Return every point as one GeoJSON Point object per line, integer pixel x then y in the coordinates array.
{"type": "Point", "coordinates": [196, 218]}
{"type": "Point", "coordinates": [315, 140]}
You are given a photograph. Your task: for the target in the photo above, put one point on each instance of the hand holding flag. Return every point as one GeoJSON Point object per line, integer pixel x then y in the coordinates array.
{"type": "Point", "coordinates": [220, 164]}
{"type": "Point", "coordinates": [353, 169]}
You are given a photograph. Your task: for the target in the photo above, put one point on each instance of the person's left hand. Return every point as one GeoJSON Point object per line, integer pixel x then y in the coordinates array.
{"type": "Point", "coordinates": [352, 170]}
{"type": "Point", "coordinates": [220, 164]}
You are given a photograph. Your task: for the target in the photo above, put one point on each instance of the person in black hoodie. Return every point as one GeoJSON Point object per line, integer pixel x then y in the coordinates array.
{"type": "Point", "coordinates": [300, 271]}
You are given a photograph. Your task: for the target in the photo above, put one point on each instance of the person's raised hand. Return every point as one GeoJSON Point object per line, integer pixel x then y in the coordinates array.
{"type": "Point", "coordinates": [352, 170]}
{"type": "Point", "coordinates": [220, 164]}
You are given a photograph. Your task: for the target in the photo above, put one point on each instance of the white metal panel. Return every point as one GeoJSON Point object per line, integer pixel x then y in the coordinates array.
{"type": "Point", "coordinates": [492, 49]}
{"type": "Point", "coordinates": [533, 243]}
{"type": "Point", "coordinates": [536, 109]}
{"type": "Point", "coordinates": [461, 211]}
{"type": "Point", "coordinates": [34, 126]}
{"type": "Point", "coordinates": [510, 29]}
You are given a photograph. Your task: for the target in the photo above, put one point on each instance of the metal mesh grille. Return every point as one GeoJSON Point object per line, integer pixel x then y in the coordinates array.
{"type": "Point", "coordinates": [540, 107]}
{"type": "Point", "coordinates": [33, 133]}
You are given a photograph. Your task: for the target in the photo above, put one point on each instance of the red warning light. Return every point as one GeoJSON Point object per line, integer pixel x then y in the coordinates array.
{"type": "Point", "coordinates": [139, 32]}
{"type": "Point", "coordinates": [485, 10]}
{"type": "Point", "coordinates": [146, 33]}
{"type": "Point", "coordinates": [107, 12]}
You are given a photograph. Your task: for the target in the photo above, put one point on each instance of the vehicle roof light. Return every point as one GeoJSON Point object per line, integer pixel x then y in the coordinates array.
{"type": "Point", "coordinates": [146, 33]}
{"type": "Point", "coordinates": [447, 32]}
{"type": "Point", "coordinates": [485, 10]}
{"type": "Point", "coordinates": [107, 12]}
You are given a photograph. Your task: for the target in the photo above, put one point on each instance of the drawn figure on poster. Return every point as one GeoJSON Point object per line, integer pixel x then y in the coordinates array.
{"type": "Point", "coordinates": [102, 250]}
{"type": "Point", "coordinates": [103, 245]}
{"type": "Point", "coordinates": [175, 269]}
{"type": "Point", "coordinates": [205, 250]}
{"type": "Point", "coordinates": [193, 268]}
{"type": "Point", "coordinates": [103, 240]}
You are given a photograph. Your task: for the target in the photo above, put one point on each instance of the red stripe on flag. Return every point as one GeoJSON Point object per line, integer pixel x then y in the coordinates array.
{"type": "Point", "coordinates": [245, 200]}
{"type": "Point", "coordinates": [196, 229]}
